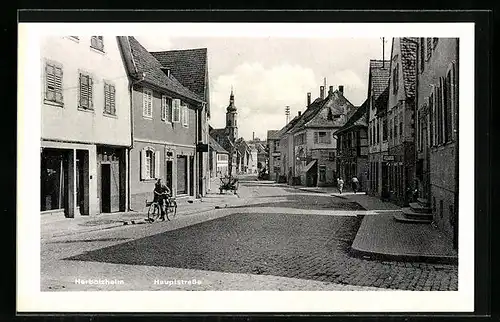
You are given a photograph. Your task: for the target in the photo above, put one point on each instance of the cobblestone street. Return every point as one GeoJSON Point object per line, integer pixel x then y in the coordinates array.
{"type": "Point", "coordinates": [273, 232]}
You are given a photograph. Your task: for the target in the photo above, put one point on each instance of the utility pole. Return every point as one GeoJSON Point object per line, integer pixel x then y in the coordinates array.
{"type": "Point", "coordinates": [287, 113]}
{"type": "Point", "coordinates": [383, 52]}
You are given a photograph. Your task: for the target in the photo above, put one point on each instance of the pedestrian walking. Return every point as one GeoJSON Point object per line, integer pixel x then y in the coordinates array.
{"type": "Point", "coordinates": [340, 184]}
{"type": "Point", "coordinates": [355, 184]}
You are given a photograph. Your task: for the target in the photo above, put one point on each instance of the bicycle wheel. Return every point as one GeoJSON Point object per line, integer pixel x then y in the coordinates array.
{"type": "Point", "coordinates": [171, 210]}
{"type": "Point", "coordinates": [153, 212]}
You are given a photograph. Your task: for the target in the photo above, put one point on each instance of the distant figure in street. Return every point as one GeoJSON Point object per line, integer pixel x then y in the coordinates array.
{"type": "Point", "coordinates": [355, 184]}
{"type": "Point", "coordinates": [340, 184]}
{"type": "Point", "coordinates": [161, 193]}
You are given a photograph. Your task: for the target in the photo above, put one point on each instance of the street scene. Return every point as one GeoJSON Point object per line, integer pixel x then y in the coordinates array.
{"type": "Point", "coordinates": [269, 237]}
{"type": "Point", "coordinates": [220, 164]}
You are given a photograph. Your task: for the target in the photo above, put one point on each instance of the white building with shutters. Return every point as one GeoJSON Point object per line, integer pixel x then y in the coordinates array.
{"type": "Point", "coordinates": [86, 126]}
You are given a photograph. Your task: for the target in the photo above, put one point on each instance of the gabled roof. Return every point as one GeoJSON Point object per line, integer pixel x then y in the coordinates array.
{"type": "Point", "coordinates": [216, 146]}
{"type": "Point", "coordinates": [379, 74]}
{"type": "Point", "coordinates": [271, 135]}
{"type": "Point", "coordinates": [333, 104]}
{"type": "Point", "coordinates": [189, 66]}
{"type": "Point", "coordinates": [358, 118]}
{"type": "Point", "coordinates": [287, 127]}
{"type": "Point", "coordinates": [308, 114]}
{"type": "Point", "coordinates": [145, 63]}
{"type": "Point", "coordinates": [409, 64]}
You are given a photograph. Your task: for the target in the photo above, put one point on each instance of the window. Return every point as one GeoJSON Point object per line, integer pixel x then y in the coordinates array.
{"type": "Point", "coordinates": [331, 156]}
{"type": "Point", "coordinates": [53, 83]}
{"type": "Point", "coordinates": [422, 53]}
{"type": "Point", "coordinates": [96, 42]}
{"type": "Point", "coordinates": [109, 99]}
{"type": "Point", "coordinates": [150, 164]}
{"type": "Point", "coordinates": [166, 109]}
{"type": "Point", "coordinates": [384, 129]}
{"type": "Point", "coordinates": [322, 137]}
{"type": "Point", "coordinates": [185, 115]}
{"type": "Point", "coordinates": [429, 48]}
{"type": "Point", "coordinates": [147, 103]}
{"type": "Point", "coordinates": [432, 111]}
{"type": "Point", "coordinates": [401, 128]}
{"type": "Point", "coordinates": [396, 127]}
{"type": "Point", "coordinates": [395, 79]}
{"type": "Point", "coordinates": [86, 92]}
{"type": "Point", "coordinates": [450, 102]}
{"type": "Point", "coordinates": [176, 110]}
{"type": "Point", "coordinates": [390, 131]}
{"type": "Point", "coordinates": [378, 131]}
{"type": "Point", "coordinates": [222, 157]}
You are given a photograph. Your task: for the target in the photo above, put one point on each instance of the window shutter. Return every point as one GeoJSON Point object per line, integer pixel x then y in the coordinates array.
{"type": "Point", "coordinates": [112, 99]}
{"type": "Point", "coordinates": [49, 82]}
{"type": "Point", "coordinates": [454, 100]}
{"type": "Point", "coordinates": [176, 110]}
{"type": "Point", "coordinates": [143, 164]}
{"type": "Point", "coordinates": [58, 84]}
{"type": "Point", "coordinates": [157, 164]}
{"type": "Point", "coordinates": [444, 116]}
{"type": "Point", "coordinates": [107, 101]}
{"type": "Point", "coordinates": [90, 86]}
{"type": "Point", "coordinates": [144, 102]}
{"type": "Point", "coordinates": [434, 116]}
{"type": "Point", "coordinates": [163, 107]}
{"type": "Point", "coordinates": [84, 101]}
{"type": "Point", "coordinates": [316, 137]}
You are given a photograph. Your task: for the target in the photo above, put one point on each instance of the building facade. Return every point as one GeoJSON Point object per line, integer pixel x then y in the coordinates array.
{"type": "Point", "coordinates": [378, 79]}
{"type": "Point", "coordinates": [401, 116]}
{"type": "Point", "coordinates": [352, 148]}
{"type": "Point", "coordinates": [437, 130]}
{"type": "Point", "coordinates": [218, 159]}
{"type": "Point", "coordinates": [165, 117]}
{"type": "Point", "coordinates": [274, 154]}
{"type": "Point", "coordinates": [190, 68]}
{"type": "Point", "coordinates": [314, 145]}
{"type": "Point", "coordinates": [85, 132]}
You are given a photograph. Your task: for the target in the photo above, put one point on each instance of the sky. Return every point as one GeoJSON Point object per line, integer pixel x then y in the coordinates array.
{"type": "Point", "coordinates": [270, 73]}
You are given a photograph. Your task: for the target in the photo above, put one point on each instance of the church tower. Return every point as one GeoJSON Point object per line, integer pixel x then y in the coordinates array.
{"type": "Point", "coordinates": [231, 118]}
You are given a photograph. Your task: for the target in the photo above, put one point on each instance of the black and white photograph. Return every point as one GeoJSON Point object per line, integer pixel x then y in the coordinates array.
{"type": "Point", "coordinates": [317, 162]}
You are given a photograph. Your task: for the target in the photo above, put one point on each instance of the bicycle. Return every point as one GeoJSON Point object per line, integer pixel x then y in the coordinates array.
{"type": "Point", "coordinates": [154, 210]}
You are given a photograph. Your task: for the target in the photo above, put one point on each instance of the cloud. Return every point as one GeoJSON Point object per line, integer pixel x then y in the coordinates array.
{"type": "Point", "coordinates": [156, 43]}
{"type": "Point", "coordinates": [261, 95]}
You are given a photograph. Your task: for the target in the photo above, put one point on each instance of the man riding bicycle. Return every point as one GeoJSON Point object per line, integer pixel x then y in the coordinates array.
{"type": "Point", "coordinates": [161, 194]}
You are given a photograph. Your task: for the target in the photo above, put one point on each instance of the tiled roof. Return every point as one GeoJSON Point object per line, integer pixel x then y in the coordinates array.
{"type": "Point", "coordinates": [308, 114]}
{"type": "Point", "coordinates": [189, 66]}
{"type": "Point", "coordinates": [379, 75]}
{"type": "Point", "coordinates": [358, 118]}
{"type": "Point", "coordinates": [216, 146]}
{"type": "Point", "coordinates": [271, 134]}
{"type": "Point", "coordinates": [409, 64]}
{"type": "Point", "coordinates": [145, 62]}
{"type": "Point", "coordinates": [287, 127]}
{"type": "Point", "coordinates": [337, 105]}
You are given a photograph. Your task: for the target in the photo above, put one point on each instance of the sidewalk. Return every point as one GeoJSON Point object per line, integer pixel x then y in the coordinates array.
{"type": "Point", "coordinates": [381, 237]}
{"type": "Point", "coordinates": [60, 226]}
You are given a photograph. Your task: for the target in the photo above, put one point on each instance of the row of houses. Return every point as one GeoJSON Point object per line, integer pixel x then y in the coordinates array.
{"type": "Point", "coordinates": [401, 143]}
{"type": "Point", "coordinates": [227, 150]}
{"type": "Point", "coordinates": [115, 118]}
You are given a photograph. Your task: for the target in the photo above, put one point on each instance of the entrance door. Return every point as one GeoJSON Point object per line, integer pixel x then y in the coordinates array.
{"type": "Point", "coordinates": [168, 174]}
{"type": "Point", "coordinates": [385, 181]}
{"type": "Point", "coordinates": [191, 176]}
{"type": "Point", "coordinates": [105, 187]}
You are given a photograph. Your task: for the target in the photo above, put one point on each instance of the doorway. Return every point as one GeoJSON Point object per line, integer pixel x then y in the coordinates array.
{"type": "Point", "coordinates": [169, 174]}
{"type": "Point", "coordinates": [105, 187]}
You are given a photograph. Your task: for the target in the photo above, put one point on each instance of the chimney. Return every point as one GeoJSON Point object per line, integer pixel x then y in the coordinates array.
{"type": "Point", "coordinates": [300, 113]}
{"type": "Point", "coordinates": [330, 90]}
{"type": "Point", "coordinates": [322, 92]}
{"type": "Point", "coordinates": [308, 99]}
{"type": "Point", "coordinates": [341, 89]}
